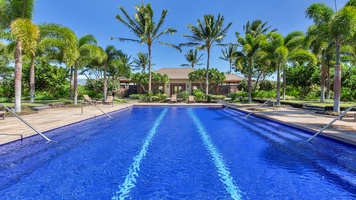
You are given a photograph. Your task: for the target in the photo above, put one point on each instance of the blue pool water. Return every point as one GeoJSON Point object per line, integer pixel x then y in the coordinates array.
{"type": "Point", "coordinates": [177, 153]}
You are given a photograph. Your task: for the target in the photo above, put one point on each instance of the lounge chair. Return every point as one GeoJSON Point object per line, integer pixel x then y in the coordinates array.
{"type": "Point", "coordinates": [2, 114]}
{"type": "Point", "coordinates": [191, 99]}
{"type": "Point", "coordinates": [109, 100]}
{"type": "Point", "coordinates": [173, 98]}
{"type": "Point", "coordinates": [88, 99]}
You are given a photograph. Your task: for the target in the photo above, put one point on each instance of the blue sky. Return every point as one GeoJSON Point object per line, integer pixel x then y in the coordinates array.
{"type": "Point", "coordinates": [98, 18]}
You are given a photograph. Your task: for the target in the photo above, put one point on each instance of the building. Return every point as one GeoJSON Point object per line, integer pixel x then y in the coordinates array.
{"type": "Point", "coordinates": [179, 81]}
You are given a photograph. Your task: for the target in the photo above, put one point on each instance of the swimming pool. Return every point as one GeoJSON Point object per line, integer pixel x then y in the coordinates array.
{"type": "Point", "coordinates": [177, 153]}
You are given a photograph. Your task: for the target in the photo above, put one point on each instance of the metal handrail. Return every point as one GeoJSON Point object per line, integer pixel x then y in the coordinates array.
{"type": "Point", "coordinates": [130, 107]}
{"type": "Point", "coordinates": [81, 108]}
{"type": "Point", "coordinates": [102, 111]}
{"type": "Point", "coordinates": [334, 120]}
{"type": "Point", "coordinates": [256, 108]}
{"type": "Point", "coordinates": [239, 98]}
{"type": "Point", "coordinates": [24, 121]}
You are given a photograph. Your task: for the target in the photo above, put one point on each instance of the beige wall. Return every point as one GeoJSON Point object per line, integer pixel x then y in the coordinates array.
{"type": "Point", "coordinates": [167, 87]}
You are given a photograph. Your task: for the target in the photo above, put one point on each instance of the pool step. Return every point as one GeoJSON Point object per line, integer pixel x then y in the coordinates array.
{"type": "Point", "coordinates": [290, 146]}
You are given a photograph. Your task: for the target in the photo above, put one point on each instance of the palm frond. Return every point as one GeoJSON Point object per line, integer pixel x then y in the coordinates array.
{"type": "Point", "coordinates": [26, 32]}
{"type": "Point", "coordinates": [170, 45]}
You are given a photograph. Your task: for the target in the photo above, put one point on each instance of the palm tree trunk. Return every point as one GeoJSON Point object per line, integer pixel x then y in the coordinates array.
{"type": "Point", "coordinates": [322, 86]}
{"type": "Point", "coordinates": [105, 83]}
{"type": "Point", "coordinates": [75, 80]}
{"type": "Point", "coordinates": [278, 99]}
{"type": "Point", "coordinates": [32, 80]}
{"type": "Point", "coordinates": [230, 66]}
{"type": "Point", "coordinates": [337, 79]}
{"type": "Point", "coordinates": [249, 81]}
{"type": "Point", "coordinates": [207, 73]}
{"type": "Point", "coordinates": [322, 78]}
{"type": "Point", "coordinates": [284, 82]}
{"type": "Point", "coordinates": [18, 76]}
{"type": "Point", "coordinates": [328, 85]}
{"type": "Point", "coordinates": [71, 83]}
{"type": "Point", "coordinates": [149, 69]}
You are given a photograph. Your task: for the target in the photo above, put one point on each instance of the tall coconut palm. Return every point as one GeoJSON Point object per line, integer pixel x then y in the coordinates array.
{"type": "Point", "coordinates": [339, 27]}
{"type": "Point", "coordinates": [294, 42]}
{"type": "Point", "coordinates": [320, 47]}
{"type": "Point", "coordinates": [23, 29]}
{"type": "Point", "coordinates": [209, 31]}
{"type": "Point", "coordinates": [342, 28]}
{"type": "Point", "coordinates": [229, 54]}
{"type": "Point", "coordinates": [318, 36]}
{"type": "Point", "coordinates": [192, 57]}
{"type": "Point", "coordinates": [141, 62]}
{"type": "Point", "coordinates": [286, 49]}
{"type": "Point", "coordinates": [251, 48]}
{"type": "Point", "coordinates": [146, 29]}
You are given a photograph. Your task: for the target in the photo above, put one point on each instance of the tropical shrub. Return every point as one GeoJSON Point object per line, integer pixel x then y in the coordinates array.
{"type": "Point", "coordinates": [264, 94]}
{"type": "Point", "coordinates": [43, 96]}
{"type": "Point", "coordinates": [198, 94]}
{"type": "Point", "coordinates": [162, 96]}
{"type": "Point", "coordinates": [347, 94]}
{"type": "Point", "coordinates": [266, 85]}
{"type": "Point", "coordinates": [6, 90]}
{"type": "Point", "coordinates": [5, 100]}
{"type": "Point", "coordinates": [208, 98]}
{"type": "Point", "coordinates": [134, 96]}
{"type": "Point", "coordinates": [243, 85]}
{"type": "Point", "coordinates": [150, 97]}
{"type": "Point", "coordinates": [236, 95]}
{"type": "Point", "coordinates": [183, 95]}
{"type": "Point", "coordinates": [215, 97]}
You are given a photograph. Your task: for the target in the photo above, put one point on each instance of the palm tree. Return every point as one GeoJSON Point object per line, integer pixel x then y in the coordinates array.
{"type": "Point", "coordinates": [148, 31]}
{"type": "Point", "coordinates": [342, 28]}
{"type": "Point", "coordinates": [229, 54]}
{"type": "Point", "coordinates": [205, 35]}
{"type": "Point", "coordinates": [338, 26]}
{"type": "Point", "coordinates": [59, 43]}
{"type": "Point", "coordinates": [286, 49]}
{"type": "Point", "coordinates": [121, 69]}
{"type": "Point", "coordinates": [319, 38]}
{"type": "Point", "coordinates": [319, 46]}
{"type": "Point", "coordinates": [111, 59]}
{"type": "Point", "coordinates": [26, 34]}
{"type": "Point", "coordinates": [88, 52]}
{"type": "Point", "coordinates": [251, 48]}
{"type": "Point", "coordinates": [141, 62]}
{"type": "Point", "coordinates": [192, 58]}
{"type": "Point", "coordinates": [16, 16]}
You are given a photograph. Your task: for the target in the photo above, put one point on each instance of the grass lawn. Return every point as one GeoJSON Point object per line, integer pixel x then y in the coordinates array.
{"type": "Point", "coordinates": [328, 102]}
{"type": "Point", "coordinates": [37, 102]}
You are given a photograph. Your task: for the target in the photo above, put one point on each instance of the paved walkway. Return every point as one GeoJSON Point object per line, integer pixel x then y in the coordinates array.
{"type": "Point", "coordinates": [11, 128]}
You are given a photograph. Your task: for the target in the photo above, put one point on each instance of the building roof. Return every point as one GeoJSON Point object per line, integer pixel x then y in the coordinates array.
{"type": "Point", "coordinates": [176, 73]}
{"type": "Point", "coordinates": [233, 78]}
{"type": "Point", "coordinates": [182, 74]}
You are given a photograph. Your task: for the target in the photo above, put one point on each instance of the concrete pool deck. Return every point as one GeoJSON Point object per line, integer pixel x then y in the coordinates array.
{"type": "Point", "coordinates": [12, 128]}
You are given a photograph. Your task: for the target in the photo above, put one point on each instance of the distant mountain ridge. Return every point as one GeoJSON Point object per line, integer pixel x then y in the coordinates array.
{"type": "Point", "coordinates": [82, 81]}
